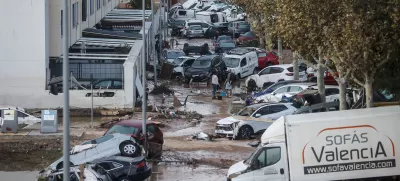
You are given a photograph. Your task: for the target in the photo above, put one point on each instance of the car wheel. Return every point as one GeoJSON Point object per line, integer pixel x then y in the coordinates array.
{"type": "Point", "coordinates": [129, 149]}
{"type": "Point", "coordinates": [124, 179]}
{"type": "Point", "coordinates": [245, 132]}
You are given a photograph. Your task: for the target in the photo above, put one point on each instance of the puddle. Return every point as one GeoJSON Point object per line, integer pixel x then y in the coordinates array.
{"type": "Point", "coordinates": [176, 172]}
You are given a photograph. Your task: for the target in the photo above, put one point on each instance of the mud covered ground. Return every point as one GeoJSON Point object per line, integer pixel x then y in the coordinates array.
{"type": "Point", "coordinates": [197, 159]}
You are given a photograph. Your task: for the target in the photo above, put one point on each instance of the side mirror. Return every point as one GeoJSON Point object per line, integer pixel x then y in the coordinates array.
{"type": "Point", "coordinates": [255, 164]}
{"type": "Point", "coordinates": [258, 115]}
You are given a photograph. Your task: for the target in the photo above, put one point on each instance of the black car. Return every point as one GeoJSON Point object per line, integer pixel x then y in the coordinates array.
{"type": "Point", "coordinates": [201, 68]}
{"type": "Point", "coordinates": [123, 168]}
{"type": "Point", "coordinates": [216, 30]}
{"type": "Point", "coordinates": [238, 28]}
{"type": "Point", "coordinates": [225, 46]}
{"type": "Point", "coordinates": [176, 25]}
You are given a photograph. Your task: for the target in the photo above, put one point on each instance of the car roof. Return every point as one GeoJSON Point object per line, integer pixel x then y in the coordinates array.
{"type": "Point", "coordinates": [194, 21]}
{"type": "Point", "coordinates": [205, 12]}
{"type": "Point", "coordinates": [186, 57]}
{"type": "Point", "coordinates": [194, 25]}
{"type": "Point", "coordinates": [258, 105]}
{"type": "Point", "coordinates": [307, 84]}
{"type": "Point", "coordinates": [174, 50]}
{"type": "Point", "coordinates": [282, 65]}
{"type": "Point", "coordinates": [133, 123]}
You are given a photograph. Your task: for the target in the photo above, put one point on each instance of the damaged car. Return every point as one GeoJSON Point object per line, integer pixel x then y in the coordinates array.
{"type": "Point", "coordinates": [252, 120]}
{"type": "Point", "coordinates": [105, 146]}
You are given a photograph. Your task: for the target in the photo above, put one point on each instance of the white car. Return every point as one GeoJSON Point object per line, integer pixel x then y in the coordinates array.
{"type": "Point", "coordinates": [286, 90]}
{"type": "Point", "coordinates": [204, 25]}
{"type": "Point", "coordinates": [276, 73]}
{"type": "Point", "coordinates": [247, 121]}
{"type": "Point", "coordinates": [108, 145]}
{"type": "Point", "coordinates": [181, 64]}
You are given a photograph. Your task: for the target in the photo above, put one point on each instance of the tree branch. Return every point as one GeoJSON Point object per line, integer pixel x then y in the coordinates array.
{"type": "Point", "coordinates": [347, 74]}
{"type": "Point", "coordinates": [357, 81]}
{"type": "Point", "coordinates": [384, 61]}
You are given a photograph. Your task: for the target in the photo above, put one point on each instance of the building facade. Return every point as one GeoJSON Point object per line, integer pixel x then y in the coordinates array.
{"type": "Point", "coordinates": [31, 35]}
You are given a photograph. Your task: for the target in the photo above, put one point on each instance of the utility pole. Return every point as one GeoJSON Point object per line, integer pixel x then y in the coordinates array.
{"type": "Point", "coordinates": [160, 38]}
{"type": "Point", "coordinates": [91, 108]}
{"type": "Point", "coordinates": [144, 77]}
{"type": "Point", "coordinates": [165, 20]}
{"type": "Point", "coordinates": [153, 47]}
{"type": "Point", "coordinates": [65, 45]}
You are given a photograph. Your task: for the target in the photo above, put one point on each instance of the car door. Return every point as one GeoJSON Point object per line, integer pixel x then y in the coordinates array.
{"type": "Point", "coordinates": [271, 164]}
{"type": "Point", "coordinates": [117, 84]}
{"type": "Point", "coordinates": [262, 112]}
{"type": "Point", "coordinates": [263, 76]}
{"type": "Point", "coordinates": [187, 64]}
{"type": "Point", "coordinates": [331, 94]}
{"type": "Point", "coordinates": [277, 111]}
{"type": "Point", "coordinates": [105, 84]}
{"type": "Point", "coordinates": [243, 68]}
{"type": "Point", "coordinates": [276, 74]}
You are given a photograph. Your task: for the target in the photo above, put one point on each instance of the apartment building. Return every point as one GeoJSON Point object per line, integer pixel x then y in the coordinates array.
{"type": "Point", "coordinates": [31, 35]}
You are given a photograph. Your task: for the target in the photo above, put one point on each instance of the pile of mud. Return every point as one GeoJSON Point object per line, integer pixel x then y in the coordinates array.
{"type": "Point", "coordinates": [162, 89]}
{"type": "Point", "coordinates": [30, 145]}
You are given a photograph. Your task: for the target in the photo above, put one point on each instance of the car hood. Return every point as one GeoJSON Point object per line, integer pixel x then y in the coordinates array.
{"type": "Point", "coordinates": [198, 70]}
{"type": "Point", "coordinates": [236, 169]}
{"type": "Point", "coordinates": [228, 120]}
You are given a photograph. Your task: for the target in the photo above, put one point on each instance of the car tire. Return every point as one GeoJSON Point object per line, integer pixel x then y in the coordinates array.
{"type": "Point", "coordinates": [124, 179]}
{"type": "Point", "coordinates": [245, 132]}
{"type": "Point", "coordinates": [129, 149]}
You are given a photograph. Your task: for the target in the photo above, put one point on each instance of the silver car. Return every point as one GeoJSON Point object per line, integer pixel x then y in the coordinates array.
{"type": "Point", "coordinates": [195, 31]}
{"type": "Point", "coordinates": [105, 146]}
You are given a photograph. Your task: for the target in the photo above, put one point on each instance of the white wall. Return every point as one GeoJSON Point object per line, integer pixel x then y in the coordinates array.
{"type": "Point", "coordinates": [31, 34]}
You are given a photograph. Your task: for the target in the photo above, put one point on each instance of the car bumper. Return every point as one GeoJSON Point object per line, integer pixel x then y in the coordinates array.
{"type": "Point", "coordinates": [224, 133]}
{"type": "Point", "coordinates": [142, 175]}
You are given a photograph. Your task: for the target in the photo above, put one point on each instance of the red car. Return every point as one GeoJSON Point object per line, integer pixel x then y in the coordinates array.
{"type": "Point", "coordinates": [328, 79]}
{"type": "Point", "coordinates": [266, 59]}
{"type": "Point", "coordinates": [134, 128]}
{"type": "Point", "coordinates": [249, 36]}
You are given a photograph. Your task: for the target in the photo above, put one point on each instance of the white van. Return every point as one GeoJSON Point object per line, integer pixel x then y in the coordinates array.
{"type": "Point", "coordinates": [359, 144]}
{"type": "Point", "coordinates": [184, 14]}
{"type": "Point", "coordinates": [241, 61]}
{"type": "Point", "coordinates": [213, 17]}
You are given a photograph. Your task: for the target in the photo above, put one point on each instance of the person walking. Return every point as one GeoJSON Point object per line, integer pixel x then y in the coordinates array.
{"type": "Point", "coordinates": [215, 84]}
{"type": "Point", "coordinates": [228, 84]}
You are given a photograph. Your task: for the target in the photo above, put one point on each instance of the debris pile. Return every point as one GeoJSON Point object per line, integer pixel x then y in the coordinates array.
{"type": "Point", "coordinates": [162, 89]}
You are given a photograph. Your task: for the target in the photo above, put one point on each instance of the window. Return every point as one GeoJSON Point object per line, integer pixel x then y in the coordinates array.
{"type": "Point", "coordinates": [205, 25]}
{"type": "Point", "coordinates": [265, 71]}
{"type": "Point", "coordinates": [106, 165]}
{"type": "Point", "coordinates": [22, 115]}
{"type": "Point", "coordinates": [98, 4]}
{"type": "Point", "coordinates": [91, 7]}
{"type": "Point", "coordinates": [151, 128]}
{"type": "Point", "coordinates": [103, 84]}
{"type": "Point", "coordinates": [275, 70]}
{"type": "Point", "coordinates": [117, 84]}
{"type": "Point", "coordinates": [243, 62]}
{"type": "Point", "coordinates": [261, 54]}
{"type": "Point", "coordinates": [84, 10]}
{"type": "Point", "coordinates": [103, 139]}
{"type": "Point", "coordinates": [295, 89]}
{"type": "Point", "coordinates": [277, 108]}
{"type": "Point", "coordinates": [301, 69]}
{"type": "Point", "coordinates": [74, 15]}
{"type": "Point", "coordinates": [62, 15]}
{"type": "Point", "coordinates": [269, 156]}
{"type": "Point", "coordinates": [281, 90]}
{"type": "Point", "coordinates": [188, 63]}
{"type": "Point", "coordinates": [263, 111]}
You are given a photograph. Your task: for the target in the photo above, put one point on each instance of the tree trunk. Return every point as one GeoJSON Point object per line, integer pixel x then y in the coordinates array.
{"type": "Point", "coordinates": [320, 81]}
{"type": "Point", "coordinates": [342, 94]}
{"type": "Point", "coordinates": [369, 93]}
{"type": "Point", "coordinates": [295, 67]}
{"type": "Point", "coordinates": [262, 42]}
{"type": "Point", "coordinates": [280, 52]}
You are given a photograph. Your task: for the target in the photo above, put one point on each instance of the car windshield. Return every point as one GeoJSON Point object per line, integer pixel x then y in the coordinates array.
{"type": "Point", "coordinates": [231, 62]}
{"type": "Point", "coordinates": [122, 130]}
{"type": "Point", "coordinates": [247, 111]}
{"type": "Point", "coordinates": [227, 44]}
{"type": "Point", "coordinates": [179, 22]}
{"type": "Point", "coordinates": [201, 63]}
{"type": "Point", "coordinates": [179, 60]}
{"type": "Point", "coordinates": [195, 28]}
{"type": "Point", "coordinates": [174, 55]}
{"type": "Point", "coordinates": [220, 38]}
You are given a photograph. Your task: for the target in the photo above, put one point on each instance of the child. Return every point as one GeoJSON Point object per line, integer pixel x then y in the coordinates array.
{"type": "Point", "coordinates": [228, 85]}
